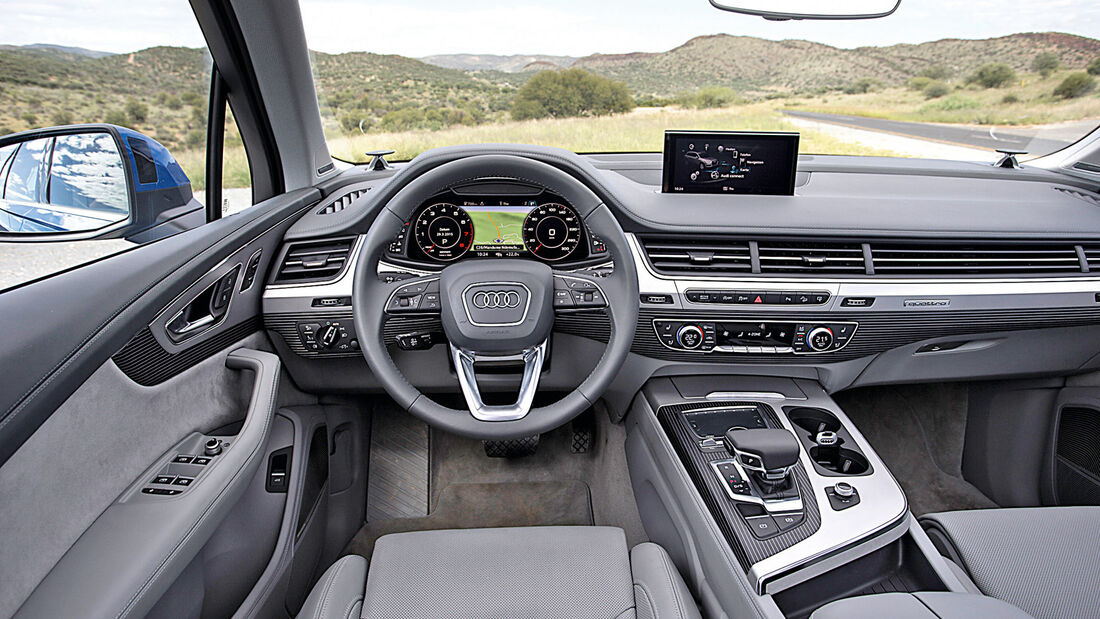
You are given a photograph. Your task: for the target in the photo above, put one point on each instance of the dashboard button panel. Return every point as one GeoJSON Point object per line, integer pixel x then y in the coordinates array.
{"type": "Point", "coordinates": [757, 297]}
{"type": "Point", "coordinates": [753, 337]}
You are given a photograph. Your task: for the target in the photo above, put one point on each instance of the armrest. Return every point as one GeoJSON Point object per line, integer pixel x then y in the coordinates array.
{"type": "Point", "coordinates": [139, 545]}
{"type": "Point", "coordinates": [924, 605]}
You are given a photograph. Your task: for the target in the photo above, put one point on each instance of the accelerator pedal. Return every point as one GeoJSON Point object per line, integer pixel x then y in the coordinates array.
{"type": "Point", "coordinates": [512, 448]}
{"type": "Point", "coordinates": [584, 432]}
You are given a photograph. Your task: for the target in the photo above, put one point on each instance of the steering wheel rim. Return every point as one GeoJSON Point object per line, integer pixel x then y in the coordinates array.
{"type": "Point", "coordinates": [370, 294]}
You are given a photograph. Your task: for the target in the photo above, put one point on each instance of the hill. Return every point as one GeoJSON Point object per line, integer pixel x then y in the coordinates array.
{"type": "Point", "coordinates": [749, 63]}
{"type": "Point", "coordinates": [514, 63]}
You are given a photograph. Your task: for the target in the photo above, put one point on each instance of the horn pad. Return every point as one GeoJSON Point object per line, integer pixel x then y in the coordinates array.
{"type": "Point", "coordinates": [504, 306]}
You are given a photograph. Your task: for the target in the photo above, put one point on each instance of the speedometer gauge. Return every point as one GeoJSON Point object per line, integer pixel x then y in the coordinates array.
{"type": "Point", "coordinates": [552, 231]}
{"type": "Point", "coordinates": [444, 231]}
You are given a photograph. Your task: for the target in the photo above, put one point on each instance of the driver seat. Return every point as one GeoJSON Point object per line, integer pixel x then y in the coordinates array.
{"type": "Point", "coordinates": [577, 572]}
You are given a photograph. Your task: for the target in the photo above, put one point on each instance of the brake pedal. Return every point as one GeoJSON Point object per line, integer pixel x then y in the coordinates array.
{"type": "Point", "coordinates": [512, 448]}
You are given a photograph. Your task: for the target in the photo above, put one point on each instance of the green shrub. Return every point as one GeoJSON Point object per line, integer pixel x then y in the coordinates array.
{"type": "Point", "coordinates": [993, 75]}
{"type": "Point", "coordinates": [918, 83]}
{"type": "Point", "coordinates": [62, 117]}
{"type": "Point", "coordinates": [117, 117]}
{"type": "Point", "coordinates": [196, 138]}
{"type": "Point", "coordinates": [936, 89]}
{"type": "Point", "coordinates": [1045, 63]}
{"type": "Point", "coordinates": [1094, 67]}
{"type": "Point", "coordinates": [651, 101]}
{"type": "Point", "coordinates": [572, 92]}
{"type": "Point", "coordinates": [30, 118]}
{"type": "Point", "coordinates": [709, 97]}
{"type": "Point", "coordinates": [350, 123]}
{"type": "Point", "coordinates": [935, 72]}
{"type": "Point", "coordinates": [191, 98]}
{"type": "Point", "coordinates": [862, 86]}
{"type": "Point", "coordinates": [137, 111]}
{"type": "Point", "coordinates": [1075, 85]}
{"type": "Point", "coordinates": [1010, 98]}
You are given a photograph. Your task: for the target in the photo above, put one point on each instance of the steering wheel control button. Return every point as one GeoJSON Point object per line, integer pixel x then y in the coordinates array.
{"type": "Point", "coordinates": [842, 496]}
{"type": "Point", "coordinates": [563, 298]}
{"type": "Point", "coordinates": [419, 296]}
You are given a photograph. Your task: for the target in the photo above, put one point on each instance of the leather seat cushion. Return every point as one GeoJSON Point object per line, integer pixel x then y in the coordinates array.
{"type": "Point", "coordinates": [575, 572]}
{"type": "Point", "coordinates": [1045, 560]}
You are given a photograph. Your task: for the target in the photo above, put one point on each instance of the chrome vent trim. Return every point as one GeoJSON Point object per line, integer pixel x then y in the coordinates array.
{"type": "Point", "coordinates": [976, 258]}
{"type": "Point", "coordinates": [811, 257]}
{"type": "Point", "coordinates": [670, 254]}
{"type": "Point", "coordinates": [342, 202]}
{"type": "Point", "coordinates": [313, 261]}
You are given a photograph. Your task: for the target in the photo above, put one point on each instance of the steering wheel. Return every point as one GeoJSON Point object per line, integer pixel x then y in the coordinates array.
{"type": "Point", "coordinates": [495, 309]}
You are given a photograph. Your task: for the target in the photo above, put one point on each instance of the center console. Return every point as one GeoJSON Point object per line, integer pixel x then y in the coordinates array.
{"type": "Point", "coordinates": [766, 489]}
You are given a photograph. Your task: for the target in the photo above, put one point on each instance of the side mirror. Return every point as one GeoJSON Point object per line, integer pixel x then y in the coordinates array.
{"type": "Point", "coordinates": [783, 10]}
{"type": "Point", "coordinates": [91, 182]}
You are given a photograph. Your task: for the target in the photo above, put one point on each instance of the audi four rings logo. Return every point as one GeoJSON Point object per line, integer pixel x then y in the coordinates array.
{"type": "Point", "coordinates": [496, 299]}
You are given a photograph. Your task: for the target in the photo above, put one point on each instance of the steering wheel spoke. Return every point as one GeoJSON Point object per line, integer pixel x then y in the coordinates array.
{"type": "Point", "coordinates": [465, 361]}
{"type": "Point", "coordinates": [415, 296]}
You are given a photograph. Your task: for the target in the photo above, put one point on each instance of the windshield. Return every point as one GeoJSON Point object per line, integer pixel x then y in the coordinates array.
{"type": "Point", "coordinates": [938, 79]}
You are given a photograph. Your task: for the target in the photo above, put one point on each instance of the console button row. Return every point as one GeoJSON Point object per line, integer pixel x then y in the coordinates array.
{"type": "Point", "coordinates": [745, 337]}
{"type": "Point", "coordinates": [743, 297]}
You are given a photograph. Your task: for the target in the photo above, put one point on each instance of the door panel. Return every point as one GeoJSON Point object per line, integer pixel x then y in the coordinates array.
{"type": "Point", "coordinates": [80, 432]}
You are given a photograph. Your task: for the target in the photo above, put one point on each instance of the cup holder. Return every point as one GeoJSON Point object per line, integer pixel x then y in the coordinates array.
{"type": "Point", "coordinates": [839, 460]}
{"type": "Point", "coordinates": [813, 420]}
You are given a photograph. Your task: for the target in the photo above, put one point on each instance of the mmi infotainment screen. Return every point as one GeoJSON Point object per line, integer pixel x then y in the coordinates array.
{"type": "Point", "coordinates": [732, 162]}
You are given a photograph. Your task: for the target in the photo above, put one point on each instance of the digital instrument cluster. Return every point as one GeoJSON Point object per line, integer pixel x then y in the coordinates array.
{"type": "Point", "coordinates": [452, 226]}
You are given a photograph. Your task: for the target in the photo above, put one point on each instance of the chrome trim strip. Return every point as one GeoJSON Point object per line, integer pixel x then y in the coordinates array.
{"type": "Point", "coordinates": [467, 379]}
{"type": "Point", "coordinates": [748, 395]}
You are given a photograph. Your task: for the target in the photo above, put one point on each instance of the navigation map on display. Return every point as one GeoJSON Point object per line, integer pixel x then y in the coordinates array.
{"type": "Point", "coordinates": [730, 162]}
{"type": "Point", "coordinates": [499, 228]}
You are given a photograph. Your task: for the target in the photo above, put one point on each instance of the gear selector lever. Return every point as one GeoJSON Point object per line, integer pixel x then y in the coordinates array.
{"type": "Point", "coordinates": [767, 454]}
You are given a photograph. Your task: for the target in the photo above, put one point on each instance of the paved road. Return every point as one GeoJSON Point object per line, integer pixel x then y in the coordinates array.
{"type": "Point", "coordinates": [1035, 140]}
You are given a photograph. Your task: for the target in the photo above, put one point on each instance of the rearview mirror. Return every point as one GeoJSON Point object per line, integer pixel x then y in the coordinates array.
{"type": "Point", "coordinates": [91, 181]}
{"type": "Point", "coordinates": [781, 10]}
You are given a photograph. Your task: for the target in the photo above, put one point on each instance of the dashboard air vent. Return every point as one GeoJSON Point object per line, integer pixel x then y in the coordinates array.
{"type": "Point", "coordinates": [698, 255]}
{"type": "Point", "coordinates": [811, 257]}
{"type": "Point", "coordinates": [974, 259]}
{"type": "Point", "coordinates": [313, 261]}
{"type": "Point", "coordinates": [342, 202]}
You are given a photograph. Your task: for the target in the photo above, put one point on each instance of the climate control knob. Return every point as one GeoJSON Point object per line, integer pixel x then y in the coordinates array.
{"type": "Point", "coordinates": [820, 339]}
{"type": "Point", "coordinates": [689, 337]}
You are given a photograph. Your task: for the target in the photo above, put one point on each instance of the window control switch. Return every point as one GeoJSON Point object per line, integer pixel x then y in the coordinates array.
{"type": "Point", "coordinates": [163, 479]}
{"type": "Point", "coordinates": [183, 481]}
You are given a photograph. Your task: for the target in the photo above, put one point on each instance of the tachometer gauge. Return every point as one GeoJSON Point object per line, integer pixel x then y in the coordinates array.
{"type": "Point", "coordinates": [444, 231]}
{"type": "Point", "coordinates": [552, 231]}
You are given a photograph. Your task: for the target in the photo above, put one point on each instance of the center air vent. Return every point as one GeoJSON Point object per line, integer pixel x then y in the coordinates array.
{"type": "Point", "coordinates": [811, 257]}
{"type": "Point", "coordinates": [698, 255]}
{"type": "Point", "coordinates": [974, 259]}
{"type": "Point", "coordinates": [342, 202]}
{"type": "Point", "coordinates": [313, 261]}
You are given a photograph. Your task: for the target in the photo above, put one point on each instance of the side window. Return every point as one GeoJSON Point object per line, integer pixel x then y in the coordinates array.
{"type": "Point", "coordinates": [27, 173]}
{"type": "Point", "coordinates": [86, 173]}
{"type": "Point", "coordinates": [6, 153]}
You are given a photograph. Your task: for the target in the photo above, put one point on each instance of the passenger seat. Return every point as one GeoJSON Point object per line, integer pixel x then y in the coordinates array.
{"type": "Point", "coordinates": [1045, 560]}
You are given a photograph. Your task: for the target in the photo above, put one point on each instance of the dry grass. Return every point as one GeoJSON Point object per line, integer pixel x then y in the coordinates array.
{"type": "Point", "coordinates": [1035, 104]}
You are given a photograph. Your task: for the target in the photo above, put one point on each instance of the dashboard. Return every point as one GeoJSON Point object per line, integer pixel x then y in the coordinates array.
{"type": "Point", "coordinates": [877, 270]}
{"type": "Point", "coordinates": [495, 220]}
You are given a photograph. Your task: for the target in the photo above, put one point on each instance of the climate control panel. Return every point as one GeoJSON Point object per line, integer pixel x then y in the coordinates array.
{"type": "Point", "coordinates": [754, 336]}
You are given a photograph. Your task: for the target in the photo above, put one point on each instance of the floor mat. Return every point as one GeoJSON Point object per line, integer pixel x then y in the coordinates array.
{"type": "Point", "coordinates": [397, 479]}
{"type": "Point", "coordinates": [474, 505]}
{"type": "Point", "coordinates": [918, 431]}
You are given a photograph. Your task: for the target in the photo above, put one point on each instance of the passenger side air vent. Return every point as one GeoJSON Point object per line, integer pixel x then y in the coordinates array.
{"type": "Point", "coordinates": [806, 258]}
{"type": "Point", "coordinates": [342, 202]}
{"type": "Point", "coordinates": [974, 259]}
{"type": "Point", "coordinates": [698, 255]}
{"type": "Point", "coordinates": [1092, 257]}
{"type": "Point", "coordinates": [313, 261]}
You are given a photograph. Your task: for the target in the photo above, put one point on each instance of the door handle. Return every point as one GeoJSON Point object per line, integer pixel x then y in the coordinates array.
{"type": "Point", "coordinates": [205, 310]}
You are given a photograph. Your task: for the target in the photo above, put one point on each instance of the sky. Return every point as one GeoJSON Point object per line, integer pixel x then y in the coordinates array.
{"type": "Point", "coordinates": [559, 27]}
